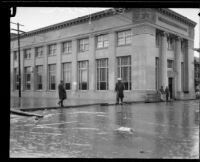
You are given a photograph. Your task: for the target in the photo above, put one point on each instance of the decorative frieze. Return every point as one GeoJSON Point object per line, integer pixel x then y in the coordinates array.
{"type": "Point", "coordinates": [175, 16]}
{"type": "Point", "coordinates": [171, 23]}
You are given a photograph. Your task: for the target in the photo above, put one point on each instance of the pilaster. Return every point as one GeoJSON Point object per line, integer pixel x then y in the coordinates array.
{"type": "Point", "coordinates": [58, 63]}
{"type": "Point", "coordinates": [33, 72]}
{"type": "Point", "coordinates": [22, 68]}
{"type": "Point", "coordinates": [112, 64]}
{"type": "Point", "coordinates": [74, 66]}
{"type": "Point", "coordinates": [45, 70]}
{"type": "Point", "coordinates": [92, 68]}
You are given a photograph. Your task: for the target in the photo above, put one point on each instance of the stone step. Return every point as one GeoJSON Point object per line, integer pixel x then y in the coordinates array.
{"type": "Point", "coordinates": [152, 97]}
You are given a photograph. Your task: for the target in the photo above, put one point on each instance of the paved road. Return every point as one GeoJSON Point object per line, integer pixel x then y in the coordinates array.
{"type": "Point", "coordinates": [158, 130]}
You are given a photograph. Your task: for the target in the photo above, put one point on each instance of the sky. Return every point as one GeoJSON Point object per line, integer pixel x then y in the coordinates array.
{"type": "Point", "coordinates": [37, 17]}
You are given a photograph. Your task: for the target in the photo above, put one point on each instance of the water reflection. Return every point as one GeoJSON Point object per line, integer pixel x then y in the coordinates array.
{"type": "Point", "coordinates": [166, 130]}
{"type": "Point", "coordinates": [123, 116]}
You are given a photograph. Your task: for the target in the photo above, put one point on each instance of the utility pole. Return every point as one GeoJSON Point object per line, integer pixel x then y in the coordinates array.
{"type": "Point", "coordinates": [19, 65]}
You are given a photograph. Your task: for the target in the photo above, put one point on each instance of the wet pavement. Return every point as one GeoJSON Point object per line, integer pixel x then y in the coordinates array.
{"type": "Point", "coordinates": [158, 130]}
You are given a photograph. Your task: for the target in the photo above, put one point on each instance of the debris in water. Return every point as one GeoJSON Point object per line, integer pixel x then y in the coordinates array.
{"type": "Point", "coordinates": [125, 130]}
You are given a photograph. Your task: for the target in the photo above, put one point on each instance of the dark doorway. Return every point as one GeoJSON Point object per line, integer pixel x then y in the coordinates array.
{"type": "Point", "coordinates": [170, 84]}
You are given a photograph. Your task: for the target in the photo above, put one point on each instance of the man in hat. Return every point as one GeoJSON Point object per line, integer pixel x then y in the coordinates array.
{"type": "Point", "coordinates": [119, 88]}
{"type": "Point", "coordinates": [62, 93]}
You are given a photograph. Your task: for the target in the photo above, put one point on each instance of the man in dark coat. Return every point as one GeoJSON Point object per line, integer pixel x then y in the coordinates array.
{"type": "Point", "coordinates": [62, 93]}
{"type": "Point", "coordinates": [167, 93]}
{"type": "Point", "coordinates": [119, 88]}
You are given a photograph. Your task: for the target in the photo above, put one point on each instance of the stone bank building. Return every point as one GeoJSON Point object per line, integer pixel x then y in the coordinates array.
{"type": "Point", "coordinates": [146, 47]}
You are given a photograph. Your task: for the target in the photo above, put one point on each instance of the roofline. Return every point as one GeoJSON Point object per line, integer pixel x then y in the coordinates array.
{"type": "Point", "coordinates": [71, 22]}
{"type": "Point", "coordinates": [98, 15]}
{"type": "Point", "coordinates": [176, 16]}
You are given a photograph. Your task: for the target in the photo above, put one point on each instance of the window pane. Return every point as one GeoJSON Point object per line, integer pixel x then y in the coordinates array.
{"type": "Point", "coordinates": [124, 37]}
{"type": "Point", "coordinates": [103, 75]}
{"type": "Point", "coordinates": [84, 85]}
{"type": "Point", "coordinates": [106, 44]}
{"type": "Point", "coordinates": [121, 41]}
{"type": "Point", "coordinates": [67, 86]}
{"type": "Point", "coordinates": [124, 71]}
{"type": "Point", "coordinates": [28, 77]}
{"type": "Point", "coordinates": [84, 76]}
{"type": "Point", "coordinates": [99, 44]}
{"type": "Point", "coordinates": [103, 85]}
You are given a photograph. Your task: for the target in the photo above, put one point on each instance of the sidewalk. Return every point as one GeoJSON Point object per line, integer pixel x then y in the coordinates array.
{"type": "Point", "coordinates": [30, 103]}
{"type": "Point", "coordinates": [33, 104]}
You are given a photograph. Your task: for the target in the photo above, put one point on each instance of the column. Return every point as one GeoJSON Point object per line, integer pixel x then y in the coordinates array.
{"type": "Point", "coordinates": [189, 66]}
{"type": "Point", "coordinates": [58, 63]}
{"type": "Point", "coordinates": [45, 70]}
{"type": "Point", "coordinates": [92, 67]}
{"type": "Point", "coordinates": [112, 61]}
{"type": "Point", "coordinates": [163, 61]}
{"type": "Point", "coordinates": [74, 66]}
{"type": "Point", "coordinates": [178, 64]}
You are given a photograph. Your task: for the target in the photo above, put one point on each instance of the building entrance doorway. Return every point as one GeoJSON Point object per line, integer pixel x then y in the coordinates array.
{"type": "Point", "coordinates": [170, 85]}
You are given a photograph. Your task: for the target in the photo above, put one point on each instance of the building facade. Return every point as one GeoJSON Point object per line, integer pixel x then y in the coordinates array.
{"type": "Point", "coordinates": [146, 47]}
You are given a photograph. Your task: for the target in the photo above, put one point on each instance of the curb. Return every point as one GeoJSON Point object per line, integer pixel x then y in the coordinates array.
{"type": "Point", "coordinates": [71, 106]}
{"type": "Point", "coordinates": [94, 104]}
{"type": "Point", "coordinates": [17, 112]}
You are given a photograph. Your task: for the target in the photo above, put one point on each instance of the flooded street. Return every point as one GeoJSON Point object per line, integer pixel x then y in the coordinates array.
{"type": "Point", "coordinates": [157, 130]}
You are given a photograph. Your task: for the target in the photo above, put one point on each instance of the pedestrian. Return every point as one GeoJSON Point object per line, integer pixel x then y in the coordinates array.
{"type": "Point", "coordinates": [119, 88]}
{"type": "Point", "coordinates": [62, 93]}
{"type": "Point", "coordinates": [167, 93]}
{"type": "Point", "coordinates": [162, 93]}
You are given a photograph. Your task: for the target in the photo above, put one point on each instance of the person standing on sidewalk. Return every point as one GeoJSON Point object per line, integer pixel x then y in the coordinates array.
{"type": "Point", "coordinates": [62, 93]}
{"type": "Point", "coordinates": [162, 93]}
{"type": "Point", "coordinates": [119, 88]}
{"type": "Point", "coordinates": [167, 93]}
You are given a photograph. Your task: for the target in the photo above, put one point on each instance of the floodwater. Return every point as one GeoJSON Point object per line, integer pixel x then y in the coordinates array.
{"type": "Point", "coordinates": [158, 130]}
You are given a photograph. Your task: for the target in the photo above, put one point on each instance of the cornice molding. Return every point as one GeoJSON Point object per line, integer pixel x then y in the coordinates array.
{"type": "Point", "coordinates": [176, 16]}
{"type": "Point", "coordinates": [72, 22]}
{"type": "Point", "coordinates": [172, 23]}
{"type": "Point", "coordinates": [99, 15]}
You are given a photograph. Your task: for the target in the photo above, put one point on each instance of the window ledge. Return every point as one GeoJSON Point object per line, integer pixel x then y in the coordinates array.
{"type": "Point", "coordinates": [51, 55]}
{"type": "Point", "coordinates": [101, 48]}
{"type": "Point", "coordinates": [66, 53]}
{"type": "Point", "coordinates": [38, 57]}
{"type": "Point", "coordinates": [83, 51]}
{"type": "Point", "coordinates": [104, 91]}
{"type": "Point", "coordinates": [123, 45]}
